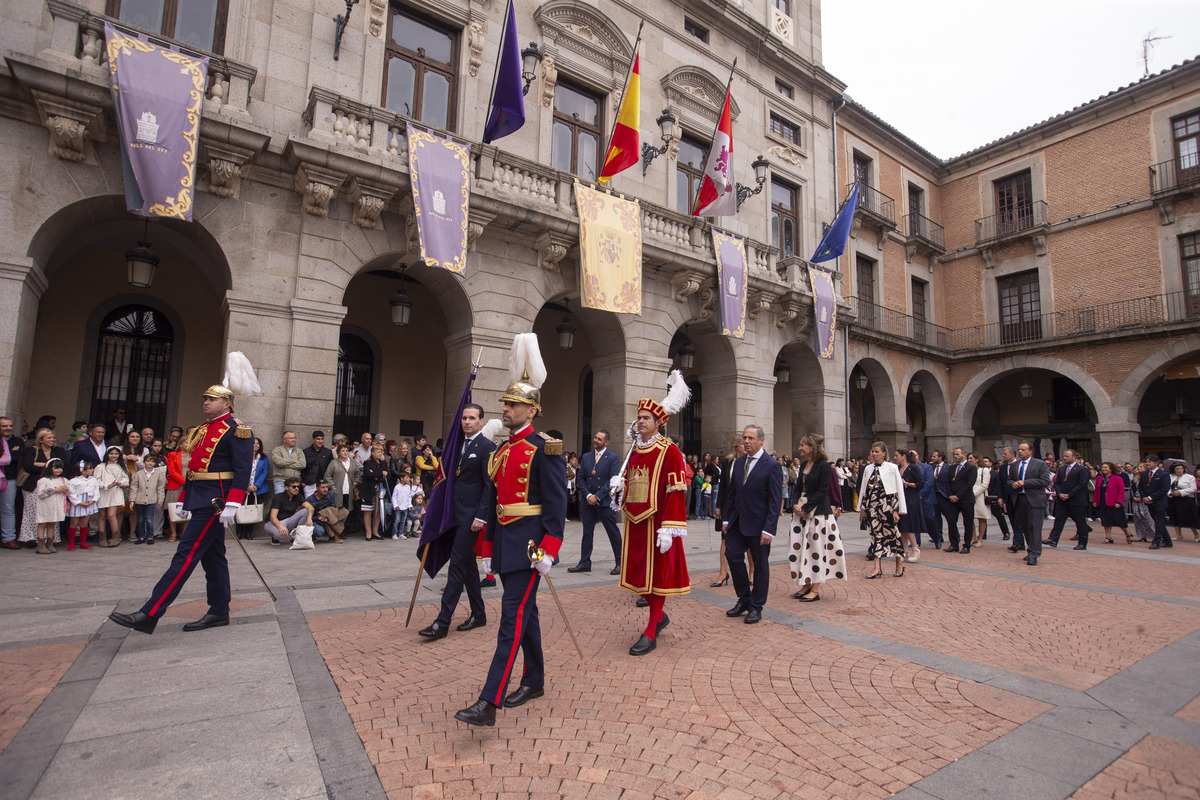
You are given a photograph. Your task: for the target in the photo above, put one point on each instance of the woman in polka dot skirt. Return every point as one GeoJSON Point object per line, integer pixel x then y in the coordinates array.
{"type": "Point", "coordinates": [817, 554]}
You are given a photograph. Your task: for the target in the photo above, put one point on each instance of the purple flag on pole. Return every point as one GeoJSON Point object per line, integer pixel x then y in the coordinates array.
{"type": "Point", "coordinates": [507, 112]}
{"type": "Point", "coordinates": [439, 506]}
{"type": "Point", "coordinates": [825, 309]}
{"type": "Point", "coordinates": [439, 170]}
{"type": "Point", "coordinates": [158, 94]}
{"type": "Point", "coordinates": [732, 274]}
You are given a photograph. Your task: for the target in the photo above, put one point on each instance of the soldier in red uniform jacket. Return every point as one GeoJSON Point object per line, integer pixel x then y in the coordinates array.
{"type": "Point", "coordinates": [218, 474]}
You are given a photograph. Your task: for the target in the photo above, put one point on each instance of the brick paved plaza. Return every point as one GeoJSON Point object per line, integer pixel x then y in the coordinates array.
{"type": "Point", "coordinates": [972, 676]}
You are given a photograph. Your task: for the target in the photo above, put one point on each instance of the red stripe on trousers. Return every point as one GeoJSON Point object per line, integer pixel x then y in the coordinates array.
{"type": "Point", "coordinates": [517, 635]}
{"type": "Point", "coordinates": [184, 568]}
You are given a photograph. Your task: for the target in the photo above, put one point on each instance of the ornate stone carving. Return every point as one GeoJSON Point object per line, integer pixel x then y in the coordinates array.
{"type": "Point", "coordinates": [802, 324]}
{"type": "Point", "coordinates": [551, 249]}
{"type": "Point", "coordinates": [699, 92]}
{"type": "Point", "coordinates": [696, 90]}
{"type": "Point", "coordinates": [225, 164]}
{"type": "Point", "coordinates": [910, 250]}
{"type": "Point", "coordinates": [475, 40]}
{"type": "Point", "coordinates": [221, 174]}
{"type": "Point", "coordinates": [686, 283]}
{"type": "Point", "coordinates": [377, 18]}
{"type": "Point", "coordinates": [476, 223]}
{"type": "Point", "coordinates": [584, 32]}
{"type": "Point", "coordinates": [1166, 211]}
{"type": "Point", "coordinates": [549, 81]}
{"type": "Point", "coordinates": [673, 145]}
{"type": "Point", "coordinates": [989, 257]}
{"type": "Point", "coordinates": [784, 313]}
{"type": "Point", "coordinates": [781, 24]}
{"type": "Point", "coordinates": [369, 200]}
{"type": "Point", "coordinates": [1039, 244]}
{"type": "Point", "coordinates": [787, 154]}
{"type": "Point", "coordinates": [757, 301]}
{"type": "Point", "coordinates": [70, 124]}
{"type": "Point", "coordinates": [66, 138]}
{"type": "Point", "coordinates": [708, 300]}
{"type": "Point", "coordinates": [317, 186]}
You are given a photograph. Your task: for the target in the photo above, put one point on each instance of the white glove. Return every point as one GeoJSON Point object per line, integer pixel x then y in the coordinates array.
{"type": "Point", "coordinates": [615, 482]}
{"type": "Point", "coordinates": [487, 566]}
{"type": "Point", "coordinates": [544, 565]}
{"type": "Point", "coordinates": [664, 541]}
{"type": "Point", "coordinates": [229, 514]}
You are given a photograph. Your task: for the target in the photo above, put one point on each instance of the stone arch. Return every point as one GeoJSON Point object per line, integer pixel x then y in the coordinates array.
{"type": "Point", "coordinates": [972, 392]}
{"type": "Point", "coordinates": [888, 412]}
{"type": "Point", "coordinates": [1133, 389]}
{"type": "Point", "coordinates": [580, 27]}
{"type": "Point", "coordinates": [447, 288]}
{"type": "Point", "coordinates": [698, 91]}
{"type": "Point", "coordinates": [937, 405]}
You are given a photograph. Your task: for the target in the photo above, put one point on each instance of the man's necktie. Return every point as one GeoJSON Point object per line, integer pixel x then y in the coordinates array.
{"type": "Point", "coordinates": [746, 474]}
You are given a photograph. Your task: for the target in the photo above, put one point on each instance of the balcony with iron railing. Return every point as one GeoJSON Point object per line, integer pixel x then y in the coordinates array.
{"type": "Point", "coordinates": [1178, 174]}
{"type": "Point", "coordinates": [924, 234]}
{"type": "Point", "coordinates": [1023, 220]}
{"type": "Point", "coordinates": [1125, 316]}
{"type": "Point", "coordinates": [876, 203]}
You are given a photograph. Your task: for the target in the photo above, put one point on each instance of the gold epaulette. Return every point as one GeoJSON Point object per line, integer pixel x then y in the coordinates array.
{"type": "Point", "coordinates": [553, 447]}
{"type": "Point", "coordinates": [243, 431]}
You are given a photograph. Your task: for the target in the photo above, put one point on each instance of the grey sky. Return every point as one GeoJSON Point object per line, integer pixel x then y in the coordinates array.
{"type": "Point", "coordinates": [954, 76]}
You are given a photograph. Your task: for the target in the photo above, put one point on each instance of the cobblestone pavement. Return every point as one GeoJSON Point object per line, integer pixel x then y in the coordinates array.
{"type": "Point", "coordinates": [971, 676]}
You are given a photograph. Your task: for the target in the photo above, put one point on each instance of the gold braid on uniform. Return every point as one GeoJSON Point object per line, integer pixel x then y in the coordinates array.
{"type": "Point", "coordinates": [554, 447]}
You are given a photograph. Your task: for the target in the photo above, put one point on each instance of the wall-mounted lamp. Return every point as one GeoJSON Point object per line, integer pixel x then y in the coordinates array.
{"type": "Point", "coordinates": [916, 386]}
{"type": "Point", "coordinates": [686, 353]}
{"type": "Point", "coordinates": [531, 56]}
{"type": "Point", "coordinates": [744, 192]}
{"type": "Point", "coordinates": [666, 126]}
{"type": "Point", "coordinates": [862, 380]}
{"type": "Point", "coordinates": [339, 23]}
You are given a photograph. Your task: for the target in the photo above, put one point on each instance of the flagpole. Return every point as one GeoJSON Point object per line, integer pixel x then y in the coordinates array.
{"type": "Point", "coordinates": [625, 88]}
{"type": "Point", "coordinates": [717, 126]}
{"type": "Point", "coordinates": [496, 72]}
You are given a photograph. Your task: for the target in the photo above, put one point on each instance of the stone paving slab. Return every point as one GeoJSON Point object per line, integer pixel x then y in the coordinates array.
{"type": "Point", "coordinates": [1153, 768]}
{"type": "Point", "coordinates": [30, 674]}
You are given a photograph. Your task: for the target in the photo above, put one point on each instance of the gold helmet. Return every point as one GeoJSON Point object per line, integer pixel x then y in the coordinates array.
{"type": "Point", "coordinates": [527, 372]}
{"type": "Point", "coordinates": [219, 391]}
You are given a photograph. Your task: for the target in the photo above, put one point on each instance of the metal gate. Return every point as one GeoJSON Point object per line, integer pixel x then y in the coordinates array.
{"type": "Point", "coordinates": [352, 405]}
{"type": "Point", "coordinates": [133, 367]}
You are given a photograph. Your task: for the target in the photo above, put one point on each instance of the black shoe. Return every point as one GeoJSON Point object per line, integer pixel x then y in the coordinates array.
{"type": "Point", "coordinates": [642, 602]}
{"type": "Point", "coordinates": [753, 617]}
{"type": "Point", "coordinates": [1168, 543]}
{"type": "Point", "coordinates": [1080, 547]}
{"type": "Point", "coordinates": [739, 608]}
{"type": "Point", "coordinates": [482, 713]}
{"type": "Point", "coordinates": [662, 623]}
{"type": "Point", "coordinates": [140, 622]}
{"type": "Point", "coordinates": [1075, 538]}
{"type": "Point", "coordinates": [1155, 547]}
{"type": "Point", "coordinates": [1015, 549]}
{"type": "Point", "coordinates": [722, 582]}
{"type": "Point", "coordinates": [809, 598]}
{"type": "Point", "coordinates": [1005, 537]}
{"type": "Point", "coordinates": [1031, 561]}
{"type": "Point", "coordinates": [208, 621]}
{"type": "Point", "coordinates": [952, 549]}
{"type": "Point", "coordinates": [642, 646]}
{"type": "Point", "coordinates": [579, 568]}
{"type": "Point", "coordinates": [937, 545]}
{"type": "Point", "coordinates": [523, 695]}
{"type": "Point", "coordinates": [487, 583]}
{"type": "Point", "coordinates": [615, 570]}
{"type": "Point", "coordinates": [1049, 543]}
{"type": "Point", "coordinates": [965, 550]}
{"type": "Point", "coordinates": [472, 623]}
{"type": "Point", "coordinates": [438, 631]}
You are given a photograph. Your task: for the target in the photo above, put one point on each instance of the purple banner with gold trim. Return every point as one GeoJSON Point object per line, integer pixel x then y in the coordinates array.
{"type": "Point", "coordinates": [439, 169]}
{"type": "Point", "coordinates": [158, 94]}
{"type": "Point", "coordinates": [732, 274]}
{"type": "Point", "coordinates": [825, 310]}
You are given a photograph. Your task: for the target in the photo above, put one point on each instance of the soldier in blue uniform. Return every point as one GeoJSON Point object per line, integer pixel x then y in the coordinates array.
{"type": "Point", "coordinates": [527, 488]}
{"type": "Point", "coordinates": [218, 474]}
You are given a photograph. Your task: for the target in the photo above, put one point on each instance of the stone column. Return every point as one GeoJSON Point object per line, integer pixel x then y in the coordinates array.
{"type": "Point", "coordinates": [894, 436]}
{"type": "Point", "coordinates": [462, 350]}
{"type": "Point", "coordinates": [1119, 442]}
{"type": "Point", "coordinates": [611, 405]}
{"type": "Point", "coordinates": [819, 409]}
{"type": "Point", "coordinates": [22, 285]}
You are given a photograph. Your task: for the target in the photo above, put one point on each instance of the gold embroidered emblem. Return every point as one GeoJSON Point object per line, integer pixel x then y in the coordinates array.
{"type": "Point", "coordinates": [638, 488]}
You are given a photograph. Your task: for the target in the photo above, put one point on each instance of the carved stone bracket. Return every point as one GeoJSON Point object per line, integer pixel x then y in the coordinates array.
{"type": "Point", "coordinates": [377, 18]}
{"type": "Point", "coordinates": [71, 124]}
{"type": "Point", "coordinates": [475, 41]}
{"type": "Point", "coordinates": [989, 257]}
{"type": "Point", "coordinates": [708, 300]}
{"type": "Point", "coordinates": [788, 155]}
{"type": "Point", "coordinates": [225, 163]}
{"type": "Point", "coordinates": [476, 222]}
{"type": "Point", "coordinates": [910, 250]}
{"type": "Point", "coordinates": [686, 283]}
{"type": "Point", "coordinates": [881, 239]}
{"type": "Point", "coordinates": [551, 249]}
{"type": "Point", "coordinates": [318, 186]}
{"type": "Point", "coordinates": [368, 199]}
{"type": "Point", "coordinates": [758, 301]}
{"type": "Point", "coordinates": [1166, 211]}
{"type": "Point", "coordinates": [549, 81]}
{"type": "Point", "coordinates": [1039, 244]}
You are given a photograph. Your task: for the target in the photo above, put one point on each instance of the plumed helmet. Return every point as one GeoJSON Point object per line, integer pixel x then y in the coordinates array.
{"type": "Point", "coordinates": [526, 371]}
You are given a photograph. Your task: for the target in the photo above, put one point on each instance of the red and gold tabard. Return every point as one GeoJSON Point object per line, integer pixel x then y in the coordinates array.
{"type": "Point", "coordinates": [655, 498]}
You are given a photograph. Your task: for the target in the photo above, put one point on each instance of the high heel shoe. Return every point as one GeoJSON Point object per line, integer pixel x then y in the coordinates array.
{"type": "Point", "coordinates": [874, 575]}
{"type": "Point", "coordinates": [899, 574]}
{"type": "Point", "coordinates": [721, 582]}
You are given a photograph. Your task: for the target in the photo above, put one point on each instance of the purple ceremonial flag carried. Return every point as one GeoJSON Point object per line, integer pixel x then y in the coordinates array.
{"type": "Point", "coordinates": [507, 113]}
{"type": "Point", "coordinates": [439, 506]}
{"type": "Point", "coordinates": [732, 274]}
{"type": "Point", "coordinates": [439, 169]}
{"type": "Point", "coordinates": [825, 310]}
{"type": "Point", "coordinates": [158, 94]}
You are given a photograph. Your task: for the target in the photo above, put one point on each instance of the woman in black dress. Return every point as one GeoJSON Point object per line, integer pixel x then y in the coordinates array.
{"type": "Point", "coordinates": [374, 472]}
{"type": "Point", "coordinates": [912, 524]}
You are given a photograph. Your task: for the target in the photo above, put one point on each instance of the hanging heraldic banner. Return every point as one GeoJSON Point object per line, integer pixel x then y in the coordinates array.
{"type": "Point", "coordinates": [825, 309]}
{"type": "Point", "coordinates": [610, 247]}
{"type": "Point", "coordinates": [732, 274]}
{"type": "Point", "coordinates": [440, 172]}
{"type": "Point", "coordinates": [158, 94]}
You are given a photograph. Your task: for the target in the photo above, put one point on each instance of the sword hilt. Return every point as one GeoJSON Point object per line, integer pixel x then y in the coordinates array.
{"type": "Point", "coordinates": [534, 552]}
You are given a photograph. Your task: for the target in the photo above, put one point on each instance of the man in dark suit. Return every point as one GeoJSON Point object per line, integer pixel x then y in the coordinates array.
{"type": "Point", "coordinates": [962, 501]}
{"type": "Point", "coordinates": [1070, 499]}
{"type": "Point", "coordinates": [749, 514]}
{"type": "Point", "coordinates": [91, 448]}
{"type": "Point", "coordinates": [994, 490]}
{"type": "Point", "coordinates": [1031, 477]}
{"type": "Point", "coordinates": [1154, 485]}
{"type": "Point", "coordinates": [470, 515]}
{"type": "Point", "coordinates": [1007, 472]}
{"type": "Point", "coordinates": [593, 476]}
{"type": "Point", "coordinates": [941, 488]}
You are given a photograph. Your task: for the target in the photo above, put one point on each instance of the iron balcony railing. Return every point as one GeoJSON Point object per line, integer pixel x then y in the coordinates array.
{"type": "Point", "coordinates": [1115, 317]}
{"type": "Point", "coordinates": [1178, 173]}
{"type": "Point", "coordinates": [1014, 220]}
{"type": "Point", "coordinates": [875, 202]}
{"type": "Point", "coordinates": [921, 227]}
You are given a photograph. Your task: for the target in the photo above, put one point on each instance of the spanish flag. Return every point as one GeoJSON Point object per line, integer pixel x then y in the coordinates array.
{"type": "Point", "coordinates": [625, 146]}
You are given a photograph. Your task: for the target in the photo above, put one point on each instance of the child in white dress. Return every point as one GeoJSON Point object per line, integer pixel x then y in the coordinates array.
{"type": "Point", "coordinates": [113, 478]}
{"type": "Point", "coordinates": [51, 504]}
{"type": "Point", "coordinates": [83, 492]}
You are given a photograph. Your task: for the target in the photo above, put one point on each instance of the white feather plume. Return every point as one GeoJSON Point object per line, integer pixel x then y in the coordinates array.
{"type": "Point", "coordinates": [678, 393]}
{"type": "Point", "coordinates": [526, 358]}
{"type": "Point", "coordinates": [239, 375]}
{"type": "Point", "coordinates": [491, 428]}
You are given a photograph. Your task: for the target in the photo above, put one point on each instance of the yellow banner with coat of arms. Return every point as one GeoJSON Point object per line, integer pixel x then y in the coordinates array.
{"type": "Point", "coordinates": [610, 245]}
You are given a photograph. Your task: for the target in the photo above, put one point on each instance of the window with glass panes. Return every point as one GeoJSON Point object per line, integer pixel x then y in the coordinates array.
{"type": "Point", "coordinates": [785, 218]}
{"type": "Point", "coordinates": [864, 269]}
{"type": "Point", "coordinates": [198, 23]}
{"type": "Point", "coordinates": [1189, 257]}
{"type": "Point", "coordinates": [576, 141]}
{"type": "Point", "coordinates": [1185, 131]}
{"type": "Point", "coordinates": [784, 129]}
{"type": "Point", "coordinates": [862, 169]}
{"type": "Point", "coordinates": [919, 298]}
{"type": "Point", "coordinates": [418, 77]}
{"type": "Point", "coordinates": [1020, 307]}
{"type": "Point", "coordinates": [784, 6]}
{"type": "Point", "coordinates": [689, 173]}
{"type": "Point", "coordinates": [1014, 203]}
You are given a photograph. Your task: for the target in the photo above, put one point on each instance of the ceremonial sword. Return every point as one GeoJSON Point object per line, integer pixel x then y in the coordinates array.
{"type": "Point", "coordinates": [536, 554]}
{"type": "Point", "coordinates": [219, 506]}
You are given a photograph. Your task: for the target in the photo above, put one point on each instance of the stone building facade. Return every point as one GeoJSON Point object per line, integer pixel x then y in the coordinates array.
{"type": "Point", "coordinates": [303, 224]}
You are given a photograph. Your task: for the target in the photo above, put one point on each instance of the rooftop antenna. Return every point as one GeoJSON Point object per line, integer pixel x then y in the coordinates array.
{"type": "Point", "coordinates": [1147, 46]}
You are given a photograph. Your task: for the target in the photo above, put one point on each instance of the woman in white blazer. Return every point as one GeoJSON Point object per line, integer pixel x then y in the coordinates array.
{"type": "Point", "coordinates": [983, 511]}
{"type": "Point", "coordinates": [1181, 501]}
{"type": "Point", "coordinates": [880, 507]}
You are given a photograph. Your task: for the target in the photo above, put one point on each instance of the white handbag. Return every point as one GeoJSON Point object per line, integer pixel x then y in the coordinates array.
{"type": "Point", "coordinates": [302, 538]}
{"type": "Point", "coordinates": [177, 514]}
{"type": "Point", "coordinates": [249, 513]}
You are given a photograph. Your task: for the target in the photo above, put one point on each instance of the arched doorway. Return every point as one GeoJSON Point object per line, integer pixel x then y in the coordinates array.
{"type": "Point", "coordinates": [1049, 410]}
{"type": "Point", "coordinates": [133, 366]}
{"type": "Point", "coordinates": [802, 399]}
{"type": "Point", "coordinates": [874, 411]}
{"type": "Point", "coordinates": [705, 358]}
{"type": "Point", "coordinates": [690, 419]}
{"type": "Point", "coordinates": [926, 413]}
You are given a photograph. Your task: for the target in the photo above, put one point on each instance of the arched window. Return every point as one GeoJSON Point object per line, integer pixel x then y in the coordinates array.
{"type": "Point", "coordinates": [133, 367]}
{"type": "Point", "coordinates": [356, 369]}
{"type": "Point", "coordinates": [689, 420]}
